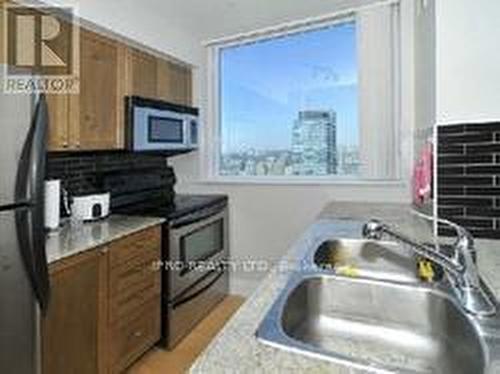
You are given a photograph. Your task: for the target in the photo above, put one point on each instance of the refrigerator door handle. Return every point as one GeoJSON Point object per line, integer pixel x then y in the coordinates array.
{"type": "Point", "coordinates": [32, 159]}
{"type": "Point", "coordinates": [30, 185]}
{"type": "Point", "coordinates": [38, 167]}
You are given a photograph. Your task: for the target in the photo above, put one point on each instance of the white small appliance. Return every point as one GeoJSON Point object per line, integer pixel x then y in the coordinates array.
{"type": "Point", "coordinates": [52, 203]}
{"type": "Point", "coordinates": [90, 207]}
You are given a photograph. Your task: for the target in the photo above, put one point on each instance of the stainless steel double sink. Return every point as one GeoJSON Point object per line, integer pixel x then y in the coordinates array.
{"type": "Point", "coordinates": [361, 304]}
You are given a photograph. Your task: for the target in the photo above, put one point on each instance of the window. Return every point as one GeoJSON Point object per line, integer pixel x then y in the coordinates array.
{"type": "Point", "coordinates": [315, 103]}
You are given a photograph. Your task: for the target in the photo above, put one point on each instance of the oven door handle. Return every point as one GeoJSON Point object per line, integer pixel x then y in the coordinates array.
{"type": "Point", "coordinates": [193, 295]}
{"type": "Point", "coordinates": [200, 218]}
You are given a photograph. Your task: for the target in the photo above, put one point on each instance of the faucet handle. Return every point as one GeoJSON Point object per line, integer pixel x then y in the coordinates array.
{"type": "Point", "coordinates": [373, 229]}
{"type": "Point", "coordinates": [465, 240]}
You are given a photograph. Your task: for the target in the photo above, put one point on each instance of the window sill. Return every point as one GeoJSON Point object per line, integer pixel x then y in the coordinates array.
{"type": "Point", "coordinates": [302, 182]}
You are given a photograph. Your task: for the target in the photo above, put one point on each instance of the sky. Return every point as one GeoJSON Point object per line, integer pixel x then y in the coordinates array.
{"type": "Point", "coordinates": [265, 84]}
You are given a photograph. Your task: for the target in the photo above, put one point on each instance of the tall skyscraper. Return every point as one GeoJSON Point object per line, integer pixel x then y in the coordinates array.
{"type": "Point", "coordinates": [314, 145]}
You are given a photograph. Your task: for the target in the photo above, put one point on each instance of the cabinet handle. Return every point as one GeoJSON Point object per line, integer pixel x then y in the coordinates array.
{"type": "Point", "coordinates": [138, 334]}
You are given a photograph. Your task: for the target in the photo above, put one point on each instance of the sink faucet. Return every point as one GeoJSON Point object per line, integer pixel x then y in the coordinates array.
{"type": "Point", "coordinates": [472, 292]}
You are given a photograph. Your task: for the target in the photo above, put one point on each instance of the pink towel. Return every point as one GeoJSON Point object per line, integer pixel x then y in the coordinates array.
{"type": "Point", "coordinates": [422, 176]}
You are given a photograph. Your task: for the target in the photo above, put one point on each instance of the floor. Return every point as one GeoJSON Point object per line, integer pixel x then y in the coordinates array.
{"type": "Point", "coordinates": [183, 356]}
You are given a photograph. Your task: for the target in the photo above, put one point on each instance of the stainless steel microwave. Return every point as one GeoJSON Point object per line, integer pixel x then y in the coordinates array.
{"type": "Point", "coordinates": [154, 125]}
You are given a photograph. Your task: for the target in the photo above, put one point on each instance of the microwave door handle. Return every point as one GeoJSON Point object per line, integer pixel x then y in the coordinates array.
{"type": "Point", "coordinates": [195, 294]}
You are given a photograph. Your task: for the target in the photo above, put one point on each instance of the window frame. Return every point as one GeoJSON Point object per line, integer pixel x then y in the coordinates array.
{"type": "Point", "coordinates": [212, 146]}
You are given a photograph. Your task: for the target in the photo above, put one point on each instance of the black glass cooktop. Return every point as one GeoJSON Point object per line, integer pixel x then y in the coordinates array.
{"type": "Point", "coordinates": [182, 204]}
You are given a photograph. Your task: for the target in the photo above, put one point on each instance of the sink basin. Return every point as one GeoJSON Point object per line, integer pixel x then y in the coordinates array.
{"type": "Point", "coordinates": [367, 259]}
{"type": "Point", "coordinates": [379, 326]}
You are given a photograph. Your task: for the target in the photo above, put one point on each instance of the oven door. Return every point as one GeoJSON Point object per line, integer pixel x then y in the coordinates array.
{"type": "Point", "coordinates": [156, 129]}
{"type": "Point", "coordinates": [197, 247]}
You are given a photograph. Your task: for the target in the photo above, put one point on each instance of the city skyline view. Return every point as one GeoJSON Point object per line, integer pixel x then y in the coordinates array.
{"type": "Point", "coordinates": [314, 152]}
{"type": "Point", "coordinates": [289, 105]}
{"type": "Point", "coordinates": [264, 85]}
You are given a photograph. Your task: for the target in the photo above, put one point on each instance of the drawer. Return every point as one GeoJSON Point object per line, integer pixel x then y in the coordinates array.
{"type": "Point", "coordinates": [133, 336]}
{"type": "Point", "coordinates": [125, 302]}
{"type": "Point", "coordinates": [136, 246]}
{"type": "Point", "coordinates": [138, 270]}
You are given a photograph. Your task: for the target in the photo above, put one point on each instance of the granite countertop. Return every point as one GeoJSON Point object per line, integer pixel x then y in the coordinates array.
{"type": "Point", "coordinates": [70, 240]}
{"type": "Point", "coordinates": [236, 349]}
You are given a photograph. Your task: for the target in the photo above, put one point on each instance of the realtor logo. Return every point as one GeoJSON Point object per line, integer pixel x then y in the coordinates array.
{"type": "Point", "coordinates": [41, 49]}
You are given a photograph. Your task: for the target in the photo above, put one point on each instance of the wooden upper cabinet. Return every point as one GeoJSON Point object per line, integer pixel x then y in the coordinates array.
{"type": "Point", "coordinates": [58, 111]}
{"type": "Point", "coordinates": [109, 70]}
{"type": "Point", "coordinates": [164, 85]}
{"type": "Point", "coordinates": [92, 119]}
{"type": "Point", "coordinates": [174, 82]}
{"type": "Point", "coordinates": [3, 58]}
{"type": "Point", "coordinates": [181, 81]}
{"type": "Point", "coordinates": [142, 73]}
{"type": "Point", "coordinates": [74, 328]}
{"type": "Point", "coordinates": [96, 114]}
{"type": "Point", "coordinates": [153, 77]}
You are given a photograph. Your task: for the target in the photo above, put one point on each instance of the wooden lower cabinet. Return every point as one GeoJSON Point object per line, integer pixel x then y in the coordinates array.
{"type": "Point", "coordinates": [105, 307]}
{"type": "Point", "coordinates": [134, 297]}
{"type": "Point", "coordinates": [134, 335]}
{"type": "Point", "coordinates": [73, 329]}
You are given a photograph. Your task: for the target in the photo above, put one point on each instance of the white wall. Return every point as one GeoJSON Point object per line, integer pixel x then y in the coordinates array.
{"type": "Point", "coordinates": [425, 81]}
{"type": "Point", "coordinates": [468, 60]}
{"type": "Point", "coordinates": [425, 64]}
{"type": "Point", "coordinates": [266, 219]}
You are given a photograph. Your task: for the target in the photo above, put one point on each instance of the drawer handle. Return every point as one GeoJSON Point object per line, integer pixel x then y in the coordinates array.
{"type": "Point", "coordinates": [138, 334]}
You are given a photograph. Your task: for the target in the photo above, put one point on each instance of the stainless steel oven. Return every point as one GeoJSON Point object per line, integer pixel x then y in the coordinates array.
{"type": "Point", "coordinates": [197, 276]}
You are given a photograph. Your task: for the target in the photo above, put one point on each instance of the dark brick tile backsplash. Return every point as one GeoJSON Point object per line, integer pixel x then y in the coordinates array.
{"type": "Point", "coordinates": [468, 178]}
{"type": "Point", "coordinates": [449, 180]}
{"type": "Point", "coordinates": [119, 173]}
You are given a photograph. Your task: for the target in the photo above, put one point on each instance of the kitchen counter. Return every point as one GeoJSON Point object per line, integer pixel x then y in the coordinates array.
{"type": "Point", "coordinates": [69, 240]}
{"type": "Point", "coordinates": [236, 349]}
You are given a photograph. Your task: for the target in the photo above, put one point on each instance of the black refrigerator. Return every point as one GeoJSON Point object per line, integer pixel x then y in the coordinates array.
{"type": "Point", "coordinates": [24, 281]}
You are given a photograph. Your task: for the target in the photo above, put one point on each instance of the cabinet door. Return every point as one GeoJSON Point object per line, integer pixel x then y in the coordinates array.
{"type": "Point", "coordinates": [58, 104]}
{"type": "Point", "coordinates": [3, 58]}
{"type": "Point", "coordinates": [58, 136]}
{"type": "Point", "coordinates": [181, 82]}
{"type": "Point", "coordinates": [164, 86]}
{"type": "Point", "coordinates": [73, 331]}
{"type": "Point", "coordinates": [143, 74]}
{"type": "Point", "coordinates": [134, 296]}
{"type": "Point", "coordinates": [97, 112]}
{"type": "Point", "coordinates": [174, 82]}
